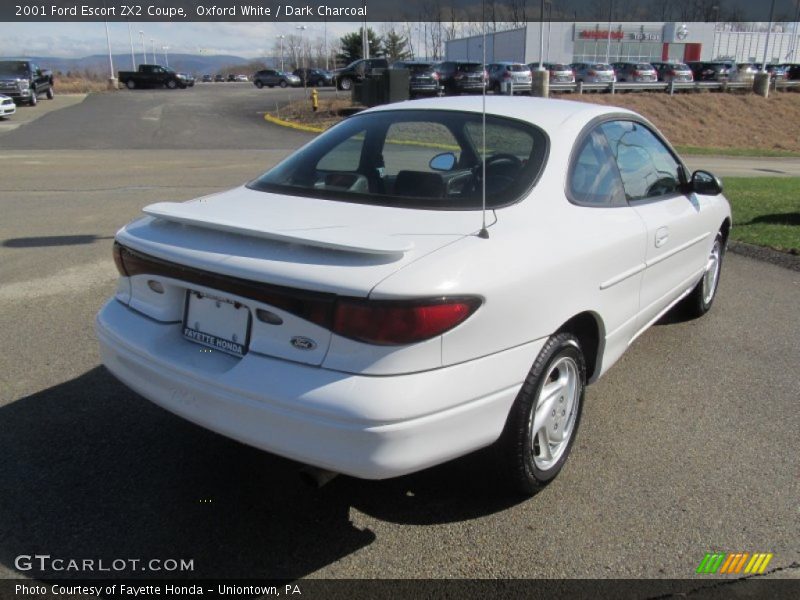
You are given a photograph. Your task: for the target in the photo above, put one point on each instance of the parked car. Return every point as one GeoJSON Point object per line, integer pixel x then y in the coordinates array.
{"type": "Point", "coordinates": [423, 78]}
{"type": "Point", "coordinates": [354, 309]}
{"type": "Point", "coordinates": [316, 77]}
{"type": "Point", "coordinates": [673, 71]}
{"type": "Point", "coordinates": [241, 78]}
{"type": "Point", "coordinates": [207, 78]}
{"type": "Point", "coordinates": [219, 78]}
{"type": "Point", "coordinates": [25, 81]}
{"type": "Point", "coordinates": [594, 72]}
{"type": "Point", "coordinates": [792, 71]}
{"type": "Point", "coordinates": [273, 77]}
{"type": "Point", "coordinates": [7, 106]}
{"type": "Point", "coordinates": [357, 70]}
{"type": "Point", "coordinates": [713, 70]}
{"type": "Point", "coordinates": [635, 72]}
{"type": "Point", "coordinates": [559, 72]}
{"type": "Point", "coordinates": [187, 79]}
{"type": "Point", "coordinates": [502, 74]}
{"type": "Point", "coordinates": [457, 77]}
{"type": "Point", "coordinates": [231, 78]}
{"type": "Point", "coordinates": [147, 76]}
{"type": "Point", "coordinates": [745, 72]}
{"type": "Point", "coordinates": [776, 72]}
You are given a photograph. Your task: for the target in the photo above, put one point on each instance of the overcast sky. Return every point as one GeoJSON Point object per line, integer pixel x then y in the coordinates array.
{"type": "Point", "coordinates": [75, 40]}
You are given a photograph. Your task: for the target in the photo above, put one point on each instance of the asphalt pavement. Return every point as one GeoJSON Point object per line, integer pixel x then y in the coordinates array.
{"type": "Point", "coordinates": [688, 445]}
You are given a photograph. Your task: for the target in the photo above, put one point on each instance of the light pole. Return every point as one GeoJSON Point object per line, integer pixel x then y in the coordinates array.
{"type": "Point", "coordinates": [153, 42]}
{"type": "Point", "coordinates": [166, 56]}
{"type": "Point", "coordinates": [541, 38]}
{"type": "Point", "coordinates": [769, 29]}
{"type": "Point", "coordinates": [112, 81]}
{"type": "Point", "coordinates": [608, 45]}
{"type": "Point", "coordinates": [281, 38]}
{"type": "Point", "coordinates": [549, 23]}
{"type": "Point", "coordinates": [144, 50]}
{"type": "Point", "coordinates": [130, 37]}
{"type": "Point", "coordinates": [325, 37]}
{"type": "Point", "coordinates": [301, 29]}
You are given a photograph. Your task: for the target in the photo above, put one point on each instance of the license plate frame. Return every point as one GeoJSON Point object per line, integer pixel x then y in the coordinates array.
{"type": "Point", "coordinates": [199, 305]}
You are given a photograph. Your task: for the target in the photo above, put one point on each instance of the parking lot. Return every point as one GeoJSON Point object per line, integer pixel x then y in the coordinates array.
{"type": "Point", "coordinates": [687, 446]}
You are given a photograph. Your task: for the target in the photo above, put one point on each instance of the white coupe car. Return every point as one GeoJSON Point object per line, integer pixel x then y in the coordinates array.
{"type": "Point", "coordinates": [7, 106]}
{"type": "Point", "coordinates": [356, 309]}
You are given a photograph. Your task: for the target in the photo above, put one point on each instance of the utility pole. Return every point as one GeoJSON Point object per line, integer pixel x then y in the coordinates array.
{"type": "Point", "coordinates": [144, 50]}
{"type": "Point", "coordinates": [281, 38]}
{"type": "Point", "coordinates": [130, 37]}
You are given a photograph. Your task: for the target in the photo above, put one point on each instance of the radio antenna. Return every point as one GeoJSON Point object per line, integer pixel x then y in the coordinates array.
{"type": "Point", "coordinates": [483, 233]}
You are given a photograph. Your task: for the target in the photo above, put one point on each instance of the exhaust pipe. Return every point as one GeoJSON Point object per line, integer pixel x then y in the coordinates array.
{"type": "Point", "coordinates": [316, 477]}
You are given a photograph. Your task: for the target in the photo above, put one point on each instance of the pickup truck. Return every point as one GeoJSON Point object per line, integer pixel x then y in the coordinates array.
{"type": "Point", "coordinates": [25, 81]}
{"type": "Point", "coordinates": [152, 76]}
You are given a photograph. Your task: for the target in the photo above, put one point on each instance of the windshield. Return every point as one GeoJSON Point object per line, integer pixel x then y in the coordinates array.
{"type": "Point", "coordinates": [387, 158]}
{"type": "Point", "coordinates": [14, 68]}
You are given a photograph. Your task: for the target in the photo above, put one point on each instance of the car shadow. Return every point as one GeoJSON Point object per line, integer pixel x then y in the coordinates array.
{"type": "Point", "coordinates": [776, 219]}
{"type": "Point", "coordinates": [92, 470]}
{"type": "Point", "coordinates": [54, 240]}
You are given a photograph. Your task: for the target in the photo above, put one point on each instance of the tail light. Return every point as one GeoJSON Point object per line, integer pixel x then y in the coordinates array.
{"type": "Point", "coordinates": [458, 76]}
{"type": "Point", "coordinates": [636, 73]}
{"type": "Point", "coordinates": [120, 264]}
{"type": "Point", "coordinates": [435, 76]}
{"type": "Point", "coordinates": [506, 75]}
{"type": "Point", "coordinates": [672, 72]}
{"type": "Point", "coordinates": [391, 322]}
{"type": "Point", "coordinates": [591, 72]}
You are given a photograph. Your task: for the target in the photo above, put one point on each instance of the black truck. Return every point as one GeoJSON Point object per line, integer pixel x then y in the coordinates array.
{"type": "Point", "coordinates": [152, 76]}
{"type": "Point", "coordinates": [25, 81]}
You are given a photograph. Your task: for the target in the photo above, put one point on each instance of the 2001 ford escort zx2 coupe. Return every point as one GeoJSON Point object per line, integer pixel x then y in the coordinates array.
{"type": "Point", "coordinates": [349, 310]}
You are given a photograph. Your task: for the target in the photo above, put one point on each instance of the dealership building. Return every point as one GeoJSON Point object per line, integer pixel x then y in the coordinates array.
{"type": "Point", "coordinates": [566, 42]}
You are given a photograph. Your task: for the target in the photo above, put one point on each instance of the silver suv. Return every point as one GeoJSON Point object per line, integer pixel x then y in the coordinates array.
{"type": "Point", "coordinates": [594, 72]}
{"type": "Point", "coordinates": [502, 74]}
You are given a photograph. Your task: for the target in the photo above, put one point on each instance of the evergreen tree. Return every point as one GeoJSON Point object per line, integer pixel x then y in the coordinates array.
{"type": "Point", "coordinates": [395, 46]}
{"type": "Point", "coordinates": [351, 46]}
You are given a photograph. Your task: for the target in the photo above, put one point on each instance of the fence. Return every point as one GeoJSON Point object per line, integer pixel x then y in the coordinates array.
{"type": "Point", "coordinates": [671, 87]}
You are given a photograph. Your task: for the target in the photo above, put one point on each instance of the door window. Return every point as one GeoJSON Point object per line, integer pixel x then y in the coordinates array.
{"type": "Point", "coordinates": [648, 169]}
{"type": "Point", "coordinates": [594, 179]}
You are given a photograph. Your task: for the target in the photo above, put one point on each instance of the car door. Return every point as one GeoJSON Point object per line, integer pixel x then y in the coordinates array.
{"type": "Point", "coordinates": [677, 223]}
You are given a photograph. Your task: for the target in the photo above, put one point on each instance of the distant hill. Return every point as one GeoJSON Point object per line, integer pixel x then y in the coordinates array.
{"type": "Point", "coordinates": [190, 63]}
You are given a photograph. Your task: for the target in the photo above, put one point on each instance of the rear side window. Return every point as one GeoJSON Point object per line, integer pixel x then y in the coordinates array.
{"type": "Point", "coordinates": [647, 167]}
{"type": "Point", "coordinates": [593, 177]}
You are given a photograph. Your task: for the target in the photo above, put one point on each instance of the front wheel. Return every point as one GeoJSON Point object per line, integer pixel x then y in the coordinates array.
{"type": "Point", "coordinates": [50, 93]}
{"type": "Point", "coordinates": [699, 301]}
{"type": "Point", "coordinates": [544, 418]}
{"type": "Point", "coordinates": [130, 84]}
{"type": "Point", "coordinates": [172, 84]}
{"type": "Point", "coordinates": [283, 83]}
{"type": "Point", "coordinates": [346, 84]}
{"type": "Point", "coordinates": [34, 100]}
{"type": "Point", "coordinates": [259, 84]}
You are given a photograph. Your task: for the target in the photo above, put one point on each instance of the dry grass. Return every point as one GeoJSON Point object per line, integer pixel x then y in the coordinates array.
{"type": "Point", "coordinates": [715, 120]}
{"type": "Point", "coordinates": [78, 85]}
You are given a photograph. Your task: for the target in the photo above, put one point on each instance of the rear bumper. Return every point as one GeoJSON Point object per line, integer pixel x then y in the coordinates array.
{"type": "Point", "coordinates": [368, 427]}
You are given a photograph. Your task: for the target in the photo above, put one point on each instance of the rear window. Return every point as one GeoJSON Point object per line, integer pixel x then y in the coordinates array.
{"type": "Point", "coordinates": [419, 68]}
{"type": "Point", "coordinates": [517, 68]}
{"type": "Point", "coordinates": [560, 68]}
{"type": "Point", "coordinates": [415, 159]}
{"type": "Point", "coordinates": [644, 67]}
{"type": "Point", "coordinates": [601, 67]}
{"type": "Point", "coordinates": [469, 67]}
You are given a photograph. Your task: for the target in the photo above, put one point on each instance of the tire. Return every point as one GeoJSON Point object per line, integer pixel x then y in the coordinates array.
{"type": "Point", "coordinates": [130, 84]}
{"type": "Point", "coordinates": [283, 83]}
{"type": "Point", "coordinates": [259, 84]}
{"type": "Point", "coordinates": [345, 84]}
{"type": "Point", "coordinates": [555, 385]}
{"type": "Point", "coordinates": [34, 98]}
{"type": "Point", "coordinates": [699, 301]}
{"type": "Point", "coordinates": [50, 93]}
{"type": "Point", "coordinates": [172, 84]}
{"type": "Point", "coordinates": [319, 83]}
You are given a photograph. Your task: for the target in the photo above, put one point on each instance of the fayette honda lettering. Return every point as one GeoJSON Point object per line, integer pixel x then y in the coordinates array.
{"type": "Point", "coordinates": [46, 563]}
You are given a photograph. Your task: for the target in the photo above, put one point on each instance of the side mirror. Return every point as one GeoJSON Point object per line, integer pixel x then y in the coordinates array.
{"type": "Point", "coordinates": [443, 162]}
{"type": "Point", "coordinates": [705, 183]}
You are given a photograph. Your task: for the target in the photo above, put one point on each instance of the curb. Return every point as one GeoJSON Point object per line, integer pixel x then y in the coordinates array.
{"type": "Point", "coordinates": [276, 121]}
{"type": "Point", "coordinates": [781, 259]}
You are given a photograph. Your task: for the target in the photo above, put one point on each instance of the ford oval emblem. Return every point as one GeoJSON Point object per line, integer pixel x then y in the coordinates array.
{"type": "Point", "coordinates": [303, 343]}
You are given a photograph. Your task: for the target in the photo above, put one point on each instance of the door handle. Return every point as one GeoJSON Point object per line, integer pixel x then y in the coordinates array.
{"type": "Point", "coordinates": [662, 235]}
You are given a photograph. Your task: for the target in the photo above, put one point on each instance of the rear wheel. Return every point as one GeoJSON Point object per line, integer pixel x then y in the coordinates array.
{"type": "Point", "coordinates": [34, 100]}
{"type": "Point", "coordinates": [544, 419]}
{"type": "Point", "coordinates": [130, 84]}
{"type": "Point", "coordinates": [345, 84]}
{"type": "Point", "coordinates": [702, 297]}
{"type": "Point", "coordinates": [259, 84]}
{"type": "Point", "coordinates": [283, 83]}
